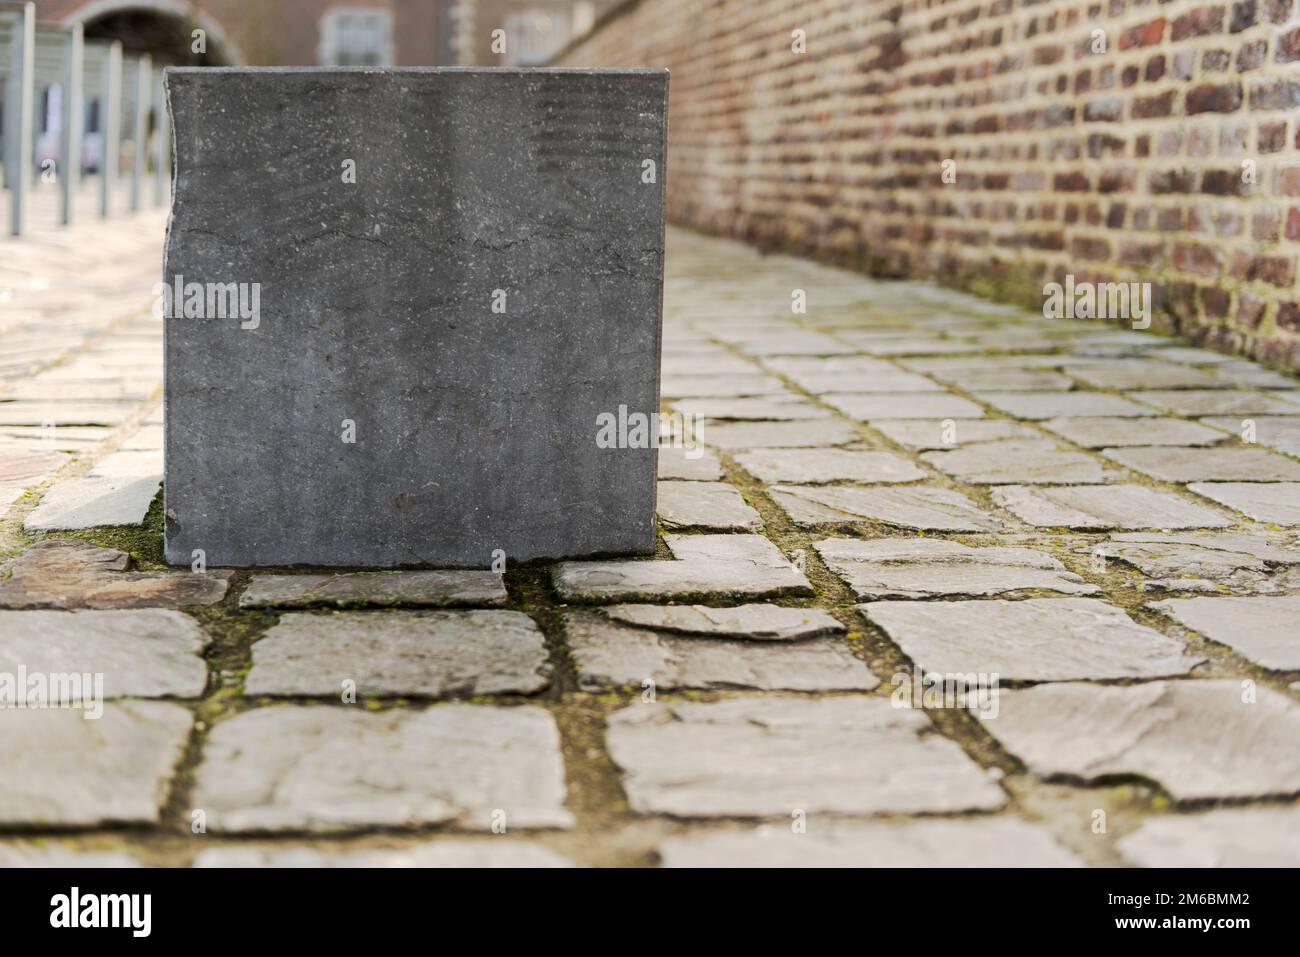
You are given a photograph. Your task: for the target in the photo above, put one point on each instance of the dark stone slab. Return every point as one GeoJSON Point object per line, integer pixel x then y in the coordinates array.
{"type": "Point", "coordinates": [475, 430]}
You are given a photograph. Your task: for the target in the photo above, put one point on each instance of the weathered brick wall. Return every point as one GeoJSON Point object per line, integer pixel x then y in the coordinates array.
{"type": "Point", "coordinates": [1132, 162]}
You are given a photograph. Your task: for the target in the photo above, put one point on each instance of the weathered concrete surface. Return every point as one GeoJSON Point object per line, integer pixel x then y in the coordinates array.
{"type": "Point", "coordinates": [467, 435]}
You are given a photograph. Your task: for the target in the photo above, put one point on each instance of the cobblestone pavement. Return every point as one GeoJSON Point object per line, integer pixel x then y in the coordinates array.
{"type": "Point", "coordinates": [901, 482]}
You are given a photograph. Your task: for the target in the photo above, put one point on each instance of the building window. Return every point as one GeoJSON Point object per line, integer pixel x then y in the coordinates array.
{"type": "Point", "coordinates": [532, 36]}
{"type": "Point", "coordinates": [356, 37]}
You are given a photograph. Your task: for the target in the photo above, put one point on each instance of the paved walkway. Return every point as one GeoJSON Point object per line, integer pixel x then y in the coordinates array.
{"type": "Point", "coordinates": [1074, 548]}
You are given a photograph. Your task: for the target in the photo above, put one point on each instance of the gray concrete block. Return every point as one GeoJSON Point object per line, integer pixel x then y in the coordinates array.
{"type": "Point", "coordinates": [465, 311]}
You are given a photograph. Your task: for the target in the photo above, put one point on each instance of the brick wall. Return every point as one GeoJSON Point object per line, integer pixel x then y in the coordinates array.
{"type": "Point", "coordinates": [1112, 156]}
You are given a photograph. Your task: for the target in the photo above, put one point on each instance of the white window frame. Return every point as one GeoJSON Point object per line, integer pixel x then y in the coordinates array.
{"type": "Point", "coordinates": [335, 21]}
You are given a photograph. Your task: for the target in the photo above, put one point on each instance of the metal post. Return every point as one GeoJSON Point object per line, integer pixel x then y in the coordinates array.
{"type": "Point", "coordinates": [74, 118]}
{"type": "Point", "coordinates": [110, 125]}
{"type": "Point", "coordinates": [18, 116]}
{"type": "Point", "coordinates": [162, 150]}
{"type": "Point", "coordinates": [140, 137]}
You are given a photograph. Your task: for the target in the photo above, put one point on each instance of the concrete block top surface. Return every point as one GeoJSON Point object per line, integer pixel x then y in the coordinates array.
{"type": "Point", "coordinates": [399, 303]}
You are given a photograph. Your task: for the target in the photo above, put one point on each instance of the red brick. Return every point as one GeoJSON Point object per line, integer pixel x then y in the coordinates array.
{"type": "Point", "coordinates": [1150, 106]}
{"type": "Point", "coordinates": [1272, 137]}
{"type": "Point", "coordinates": [1274, 270]}
{"type": "Point", "coordinates": [1144, 35]}
{"type": "Point", "coordinates": [1215, 301]}
{"type": "Point", "coordinates": [1293, 223]}
{"type": "Point", "coordinates": [1288, 181]}
{"type": "Point", "coordinates": [1198, 23]}
{"type": "Point", "coordinates": [1288, 46]}
{"type": "Point", "coordinates": [1244, 15]}
{"type": "Point", "coordinates": [1288, 316]}
{"type": "Point", "coordinates": [1214, 99]}
{"type": "Point", "coordinates": [1249, 310]}
{"type": "Point", "coordinates": [1251, 55]}
{"type": "Point", "coordinates": [1189, 257]}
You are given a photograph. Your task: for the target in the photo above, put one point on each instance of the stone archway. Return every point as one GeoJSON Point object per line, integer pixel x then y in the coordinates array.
{"type": "Point", "coordinates": [161, 28]}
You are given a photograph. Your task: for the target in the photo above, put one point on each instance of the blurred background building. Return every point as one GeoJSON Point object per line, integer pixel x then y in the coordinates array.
{"type": "Point", "coordinates": [335, 32]}
{"type": "Point", "coordinates": [125, 44]}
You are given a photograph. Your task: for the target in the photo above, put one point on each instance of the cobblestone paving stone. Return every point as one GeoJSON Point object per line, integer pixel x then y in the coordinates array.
{"type": "Point", "coordinates": [924, 509]}
{"type": "Point", "coordinates": [1106, 506]}
{"type": "Point", "coordinates": [687, 464]}
{"type": "Point", "coordinates": [485, 853]}
{"type": "Point", "coordinates": [758, 622]}
{"type": "Point", "coordinates": [761, 757]}
{"type": "Point", "coordinates": [914, 477]}
{"type": "Point", "coordinates": [1102, 432]}
{"type": "Point", "coordinates": [609, 655]}
{"type": "Point", "coordinates": [927, 568]}
{"type": "Point", "coordinates": [448, 587]}
{"type": "Point", "coordinates": [1199, 465]}
{"type": "Point", "coordinates": [934, 842]}
{"type": "Point", "coordinates": [1038, 639]}
{"type": "Point", "coordinates": [423, 654]}
{"type": "Point", "coordinates": [712, 505]}
{"type": "Point", "coordinates": [148, 653]}
{"type": "Point", "coordinates": [1208, 561]}
{"type": "Point", "coordinates": [938, 434]}
{"type": "Point", "coordinates": [1280, 432]}
{"type": "Point", "coordinates": [318, 768]}
{"type": "Point", "coordinates": [1197, 739]}
{"type": "Point", "coordinates": [1014, 461]}
{"type": "Point", "coordinates": [809, 466]}
{"type": "Point", "coordinates": [71, 574]}
{"type": "Point", "coordinates": [1211, 402]}
{"type": "Point", "coordinates": [62, 770]}
{"type": "Point", "coordinates": [1258, 837]}
{"type": "Point", "coordinates": [46, 854]}
{"type": "Point", "coordinates": [1265, 629]}
{"type": "Point", "coordinates": [1273, 502]}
